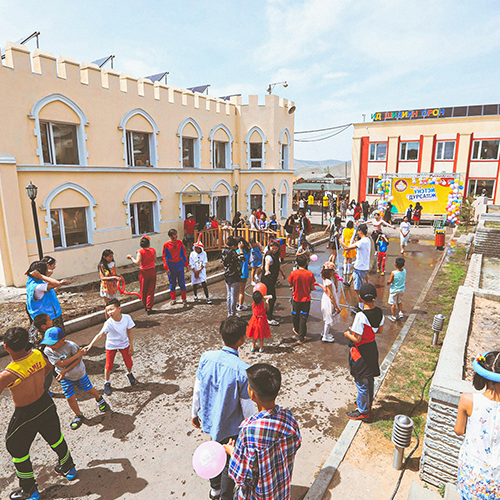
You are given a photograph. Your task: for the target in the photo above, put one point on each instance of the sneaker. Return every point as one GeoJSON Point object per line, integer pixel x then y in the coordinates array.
{"type": "Point", "coordinates": [69, 472]}
{"type": "Point", "coordinates": [33, 494]}
{"type": "Point", "coordinates": [253, 283]}
{"type": "Point", "coordinates": [243, 307]}
{"type": "Point", "coordinates": [173, 302]}
{"type": "Point", "coordinates": [149, 311]}
{"type": "Point", "coordinates": [237, 315]}
{"type": "Point", "coordinates": [253, 349]}
{"type": "Point", "coordinates": [393, 319]}
{"type": "Point", "coordinates": [273, 322]}
{"type": "Point", "coordinates": [378, 270]}
{"type": "Point", "coordinates": [357, 415]}
{"type": "Point", "coordinates": [238, 307]}
{"type": "Point", "coordinates": [196, 298]}
{"type": "Point", "coordinates": [131, 378]}
{"type": "Point", "coordinates": [107, 388]}
{"type": "Point", "coordinates": [214, 494]}
{"type": "Point", "coordinates": [327, 339]}
{"type": "Point", "coordinates": [401, 315]}
{"type": "Point", "coordinates": [103, 405]}
{"type": "Point", "coordinates": [77, 422]}
{"type": "Point", "coordinates": [209, 300]}
{"type": "Point", "coordinates": [382, 273]}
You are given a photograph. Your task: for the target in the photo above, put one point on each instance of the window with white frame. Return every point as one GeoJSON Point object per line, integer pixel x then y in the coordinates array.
{"type": "Point", "coordinates": [476, 187]}
{"type": "Point", "coordinates": [142, 218]}
{"type": "Point", "coordinates": [371, 185]}
{"type": "Point", "coordinates": [378, 151]}
{"type": "Point", "coordinates": [445, 150]}
{"type": "Point", "coordinates": [284, 156]}
{"type": "Point", "coordinates": [256, 155]}
{"type": "Point", "coordinates": [59, 143]}
{"type": "Point", "coordinates": [408, 151]}
{"type": "Point", "coordinates": [188, 160]}
{"type": "Point", "coordinates": [138, 153]}
{"type": "Point", "coordinates": [255, 201]}
{"type": "Point", "coordinates": [69, 227]}
{"type": "Point", "coordinates": [485, 150]}
{"type": "Point", "coordinates": [219, 154]}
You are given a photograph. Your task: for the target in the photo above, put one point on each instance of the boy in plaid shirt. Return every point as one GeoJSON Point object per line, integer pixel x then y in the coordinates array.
{"type": "Point", "coordinates": [262, 459]}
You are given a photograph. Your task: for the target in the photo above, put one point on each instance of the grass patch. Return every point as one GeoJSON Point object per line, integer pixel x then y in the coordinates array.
{"type": "Point", "coordinates": [492, 224]}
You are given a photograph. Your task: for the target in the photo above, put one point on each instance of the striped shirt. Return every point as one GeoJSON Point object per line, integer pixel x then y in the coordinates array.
{"type": "Point", "coordinates": [262, 463]}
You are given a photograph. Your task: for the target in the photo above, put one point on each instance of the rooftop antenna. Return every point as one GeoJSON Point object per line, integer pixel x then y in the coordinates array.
{"type": "Point", "coordinates": [25, 40]}
{"type": "Point", "coordinates": [158, 77]}
{"type": "Point", "coordinates": [101, 62]}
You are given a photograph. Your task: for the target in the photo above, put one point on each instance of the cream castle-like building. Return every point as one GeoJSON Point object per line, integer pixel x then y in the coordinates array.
{"type": "Point", "coordinates": [463, 140]}
{"type": "Point", "coordinates": [116, 156]}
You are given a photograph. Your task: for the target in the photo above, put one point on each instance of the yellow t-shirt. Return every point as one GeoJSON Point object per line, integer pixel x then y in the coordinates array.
{"type": "Point", "coordinates": [326, 201]}
{"type": "Point", "coordinates": [24, 367]}
{"type": "Point", "coordinates": [310, 200]}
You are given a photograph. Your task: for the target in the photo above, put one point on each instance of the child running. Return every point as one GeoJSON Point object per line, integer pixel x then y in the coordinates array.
{"type": "Point", "coordinates": [109, 278]}
{"type": "Point", "coordinates": [255, 261]}
{"type": "Point", "coordinates": [381, 244]}
{"type": "Point", "coordinates": [146, 260]}
{"type": "Point", "coordinates": [404, 230]}
{"type": "Point", "coordinates": [198, 261]}
{"type": "Point", "coordinates": [119, 337]}
{"type": "Point", "coordinates": [347, 238]}
{"type": "Point", "coordinates": [66, 356]}
{"type": "Point", "coordinates": [303, 249]}
{"type": "Point", "coordinates": [398, 285]}
{"type": "Point", "coordinates": [258, 327]}
{"type": "Point", "coordinates": [363, 352]}
{"type": "Point", "coordinates": [329, 300]}
{"type": "Point", "coordinates": [263, 456]}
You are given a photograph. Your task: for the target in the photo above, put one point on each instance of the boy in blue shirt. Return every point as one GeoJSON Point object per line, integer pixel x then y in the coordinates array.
{"type": "Point", "coordinates": [220, 397]}
{"type": "Point", "coordinates": [382, 244]}
{"type": "Point", "coordinates": [398, 285]}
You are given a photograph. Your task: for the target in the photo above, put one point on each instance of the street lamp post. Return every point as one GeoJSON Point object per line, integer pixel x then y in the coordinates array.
{"type": "Point", "coordinates": [273, 192]}
{"type": "Point", "coordinates": [322, 207]}
{"type": "Point", "coordinates": [32, 191]}
{"type": "Point", "coordinates": [235, 189]}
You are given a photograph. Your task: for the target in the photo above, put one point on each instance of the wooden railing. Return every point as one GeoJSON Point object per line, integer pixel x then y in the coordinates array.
{"type": "Point", "coordinates": [215, 239]}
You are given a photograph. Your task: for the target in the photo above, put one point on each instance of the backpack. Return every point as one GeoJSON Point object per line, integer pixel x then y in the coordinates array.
{"type": "Point", "coordinates": [308, 226]}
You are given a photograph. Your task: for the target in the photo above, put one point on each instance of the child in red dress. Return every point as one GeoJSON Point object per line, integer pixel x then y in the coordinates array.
{"type": "Point", "coordinates": [258, 327]}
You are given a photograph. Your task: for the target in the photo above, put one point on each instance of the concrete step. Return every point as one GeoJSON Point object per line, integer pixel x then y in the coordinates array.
{"type": "Point", "coordinates": [418, 492]}
{"type": "Point", "coordinates": [451, 493]}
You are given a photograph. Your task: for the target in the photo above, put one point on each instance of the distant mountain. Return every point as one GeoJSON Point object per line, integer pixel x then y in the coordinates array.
{"type": "Point", "coordinates": [337, 168]}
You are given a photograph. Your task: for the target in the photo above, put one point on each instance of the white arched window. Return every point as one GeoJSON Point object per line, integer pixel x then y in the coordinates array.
{"type": "Point", "coordinates": [256, 148]}
{"type": "Point", "coordinates": [142, 203]}
{"type": "Point", "coordinates": [221, 145]}
{"type": "Point", "coordinates": [285, 149]}
{"type": "Point", "coordinates": [70, 215]}
{"type": "Point", "coordinates": [256, 195]}
{"type": "Point", "coordinates": [284, 194]}
{"type": "Point", "coordinates": [60, 131]}
{"type": "Point", "coordinates": [140, 147]}
{"type": "Point", "coordinates": [221, 200]}
{"type": "Point", "coordinates": [190, 136]}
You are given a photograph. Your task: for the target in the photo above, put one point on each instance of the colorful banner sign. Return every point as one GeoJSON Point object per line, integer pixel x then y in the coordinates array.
{"type": "Point", "coordinates": [431, 192]}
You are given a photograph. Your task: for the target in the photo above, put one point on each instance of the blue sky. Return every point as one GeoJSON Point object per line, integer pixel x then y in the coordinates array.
{"type": "Point", "coordinates": [341, 58]}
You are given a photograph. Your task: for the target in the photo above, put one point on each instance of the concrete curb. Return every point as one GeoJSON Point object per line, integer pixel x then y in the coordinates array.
{"type": "Point", "coordinates": [322, 482]}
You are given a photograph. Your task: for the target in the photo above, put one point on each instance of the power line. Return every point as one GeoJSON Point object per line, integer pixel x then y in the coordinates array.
{"type": "Point", "coordinates": [317, 139]}
{"type": "Point", "coordinates": [323, 129]}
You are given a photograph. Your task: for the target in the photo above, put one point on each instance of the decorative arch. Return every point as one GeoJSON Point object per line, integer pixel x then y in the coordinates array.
{"type": "Point", "coordinates": [229, 145]}
{"type": "Point", "coordinates": [284, 194]}
{"type": "Point", "coordinates": [264, 142]}
{"type": "Point", "coordinates": [197, 142]}
{"type": "Point", "coordinates": [80, 128]}
{"type": "Point", "coordinates": [90, 212]}
{"type": "Point", "coordinates": [182, 215]}
{"type": "Point", "coordinates": [285, 149]}
{"type": "Point", "coordinates": [229, 202]}
{"type": "Point", "coordinates": [153, 142]}
{"type": "Point", "coordinates": [248, 192]}
{"type": "Point", "coordinates": [156, 206]}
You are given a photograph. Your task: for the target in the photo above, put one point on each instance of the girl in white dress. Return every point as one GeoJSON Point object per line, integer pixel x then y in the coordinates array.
{"type": "Point", "coordinates": [330, 300]}
{"type": "Point", "coordinates": [198, 261]}
{"type": "Point", "coordinates": [479, 419]}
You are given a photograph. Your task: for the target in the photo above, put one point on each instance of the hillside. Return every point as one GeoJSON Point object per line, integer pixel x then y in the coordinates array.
{"type": "Point", "coordinates": [337, 168]}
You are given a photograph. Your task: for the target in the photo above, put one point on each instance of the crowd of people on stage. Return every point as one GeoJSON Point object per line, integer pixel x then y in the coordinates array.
{"type": "Point", "coordinates": [233, 403]}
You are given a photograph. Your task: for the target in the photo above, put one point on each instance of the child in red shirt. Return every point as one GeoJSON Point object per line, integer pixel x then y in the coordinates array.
{"type": "Point", "coordinates": [302, 282]}
{"type": "Point", "coordinates": [258, 327]}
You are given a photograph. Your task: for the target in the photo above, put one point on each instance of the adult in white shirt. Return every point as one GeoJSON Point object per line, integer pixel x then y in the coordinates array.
{"type": "Point", "coordinates": [404, 236]}
{"type": "Point", "coordinates": [362, 263]}
{"type": "Point", "coordinates": [253, 219]}
{"type": "Point", "coordinates": [479, 205]}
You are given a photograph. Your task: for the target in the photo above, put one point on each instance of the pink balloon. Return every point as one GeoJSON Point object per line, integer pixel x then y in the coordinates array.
{"type": "Point", "coordinates": [209, 459]}
{"type": "Point", "coordinates": [314, 257]}
{"type": "Point", "coordinates": [260, 287]}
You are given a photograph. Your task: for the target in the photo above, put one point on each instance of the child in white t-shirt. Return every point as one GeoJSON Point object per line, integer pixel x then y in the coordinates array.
{"type": "Point", "coordinates": [119, 337]}
{"type": "Point", "coordinates": [404, 236]}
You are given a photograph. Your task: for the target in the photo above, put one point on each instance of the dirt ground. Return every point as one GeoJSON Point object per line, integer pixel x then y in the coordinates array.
{"type": "Point", "coordinates": [144, 446]}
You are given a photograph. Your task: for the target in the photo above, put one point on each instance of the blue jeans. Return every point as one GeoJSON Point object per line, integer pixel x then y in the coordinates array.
{"type": "Point", "coordinates": [232, 288]}
{"type": "Point", "coordinates": [358, 278]}
{"type": "Point", "coordinates": [365, 393]}
{"type": "Point", "coordinates": [303, 236]}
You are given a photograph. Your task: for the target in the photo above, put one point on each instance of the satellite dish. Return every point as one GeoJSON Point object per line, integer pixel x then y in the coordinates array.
{"type": "Point", "coordinates": [291, 110]}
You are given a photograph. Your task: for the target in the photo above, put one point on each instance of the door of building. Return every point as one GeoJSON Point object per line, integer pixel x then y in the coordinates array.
{"type": "Point", "coordinates": [200, 213]}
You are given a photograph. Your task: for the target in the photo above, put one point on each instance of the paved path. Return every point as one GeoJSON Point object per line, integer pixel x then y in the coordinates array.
{"type": "Point", "coordinates": [145, 446]}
